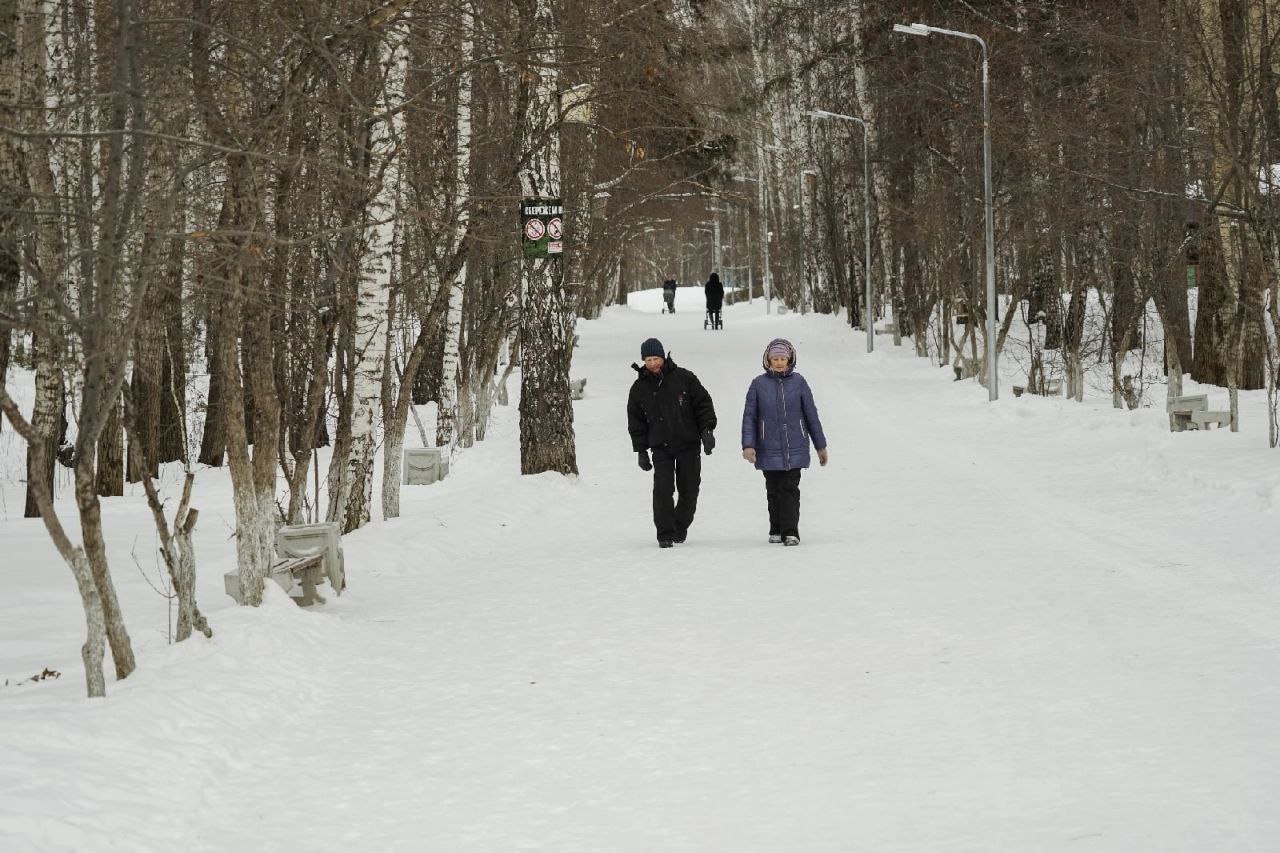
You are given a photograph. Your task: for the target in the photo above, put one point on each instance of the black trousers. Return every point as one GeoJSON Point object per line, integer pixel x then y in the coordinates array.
{"type": "Point", "coordinates": [680, 473]}
{"type": "Point", "coordinates": [782, 488]}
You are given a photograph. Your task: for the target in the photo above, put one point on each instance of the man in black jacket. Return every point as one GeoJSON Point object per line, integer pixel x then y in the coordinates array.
{"type": "Point", "coordinates": [669, 411]}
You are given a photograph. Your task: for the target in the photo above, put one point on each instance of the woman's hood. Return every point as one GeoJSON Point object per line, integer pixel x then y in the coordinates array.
{"type": "Point", "coordinates": [791, 354]}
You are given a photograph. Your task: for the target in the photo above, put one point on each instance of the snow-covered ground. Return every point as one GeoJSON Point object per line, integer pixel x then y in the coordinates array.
{"type": "Point", "coordinates": [1028, 625]}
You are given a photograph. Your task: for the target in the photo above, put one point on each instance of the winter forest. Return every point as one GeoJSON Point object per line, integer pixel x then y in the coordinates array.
{"type": "Point", "coordinates": [259, 250]}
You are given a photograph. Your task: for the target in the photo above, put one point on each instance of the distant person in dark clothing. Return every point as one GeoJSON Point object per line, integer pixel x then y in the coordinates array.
{"type": "Point", "coordinates": [715, 300]}
{"type": "Point", "coordinates": [669, 295]}
{"type": "Point", "coordinates": [778, 422]}
{"type": "Point", "coordinates": [670, 413]}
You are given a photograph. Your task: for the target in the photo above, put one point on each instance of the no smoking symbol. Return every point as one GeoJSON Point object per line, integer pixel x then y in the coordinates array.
{"type": "Point", "coordinates": [555, 228]}
{"type": "Point", "coordinates": [533, 229]}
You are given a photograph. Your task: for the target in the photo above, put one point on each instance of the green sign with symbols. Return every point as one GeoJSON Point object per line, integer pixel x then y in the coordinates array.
{"type": "Point", "coordinates": [542, 227]}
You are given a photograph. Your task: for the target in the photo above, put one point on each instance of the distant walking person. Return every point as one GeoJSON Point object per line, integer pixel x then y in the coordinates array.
{"type": "Point", "coordinates": [669, 295]}
{"type": "Point", "coordinates": [670, 412]}
{"type": "Point", "coordinates": [715, 301]}
{"type": "Point", "coordinates": [778, 422]}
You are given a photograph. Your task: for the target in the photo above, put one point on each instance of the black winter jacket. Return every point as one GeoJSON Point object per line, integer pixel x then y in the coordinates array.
{"type": "Point", "coordinates": [672, 409]}
{"type": "Point", "coordinates": [715, 294]}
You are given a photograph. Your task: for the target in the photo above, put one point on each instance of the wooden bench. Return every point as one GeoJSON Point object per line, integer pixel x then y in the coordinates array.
{"type": "Point", "coordinates": [577, 387]}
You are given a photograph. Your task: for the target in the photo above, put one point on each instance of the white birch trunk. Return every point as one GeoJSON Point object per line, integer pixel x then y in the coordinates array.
{"type": "Point", "coordinates": [356, 492]}
{"type": "Point", "coordinates": [446, 419]}
{"type": "Point", "coordinates": [393, 385]}
{"type": "Point", "coordinates": [447, 415]}
{"type": "Point", "coordinates": [355, 495]}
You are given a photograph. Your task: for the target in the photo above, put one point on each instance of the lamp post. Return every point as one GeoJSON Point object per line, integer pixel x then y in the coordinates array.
{"type": "Point", "coordinates": [764, 227]}
{"type": "Point", "coordinates": [867, 316]}
{"type": "Point", "coordinates": [762, 185]}
{"type": "Point", "coordinates": [717, 259]}
{"type": "Point", "coordinates": [993, 384]}
{"type": "Point", "coordinates": [804, 279]}
{"type": "Point", "coordinates": [712, 229]}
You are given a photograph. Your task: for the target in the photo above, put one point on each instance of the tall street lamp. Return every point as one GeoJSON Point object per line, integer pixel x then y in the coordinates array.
{"type": "Point", "coordinates": [804, 279]}
{"type": "Point", "coordinates": [993, 384]}
{"type": "Point", "coordinates": [764, 227]}
{"type": "Point", "coordinates": [867, 316]}
{"type": "Point", "coordinates": [712, 228]}
{"type": "Point", "coordinates": [766, 234]}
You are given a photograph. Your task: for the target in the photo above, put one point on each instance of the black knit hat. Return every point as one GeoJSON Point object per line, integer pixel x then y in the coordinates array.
{"type": "Point", "coordinates": [653, 346]}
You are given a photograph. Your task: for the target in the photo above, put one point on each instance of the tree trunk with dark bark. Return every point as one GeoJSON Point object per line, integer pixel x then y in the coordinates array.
{"type": "Point", "coordinates": [172, 434]}
{"type": "Point", "coordinates": [109, 479]}
{"type": "Point", "coordinates": [1211, 363]}
{"type": "Point", "coordinates": [213, 441]}
{"type": "Point", "coordinates": [547, 314]}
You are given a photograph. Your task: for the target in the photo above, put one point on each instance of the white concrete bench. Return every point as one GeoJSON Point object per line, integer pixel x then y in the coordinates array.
{"type": "Point", "coordinates": [301, 541]}
{"type": "Point", "coordinates": [966, 367]}
{"type": "Point", "coordinates": [305, 571]}
{"type": "Point", "coordinates": [424, 466]}
{"type": "Point", "coordinates": [1048, 388]}
{"type": "Point", "coordinates": [1201, 418]}
{"type": "Point", "coordinates": [577, 387]}
{"type": "Point", "coordinates": [1183, 407]}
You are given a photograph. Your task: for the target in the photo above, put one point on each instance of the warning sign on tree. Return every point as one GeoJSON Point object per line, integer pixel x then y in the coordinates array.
{"type": "Point", "coordinates": [542, 227]}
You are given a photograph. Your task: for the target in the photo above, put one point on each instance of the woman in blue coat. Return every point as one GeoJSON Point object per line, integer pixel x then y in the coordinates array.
{"type": "Point", "coordinates": [778, 422]}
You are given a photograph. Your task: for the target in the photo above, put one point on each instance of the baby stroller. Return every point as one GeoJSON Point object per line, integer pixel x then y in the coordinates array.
{"type": "Point", "coordinates": [713, 320]}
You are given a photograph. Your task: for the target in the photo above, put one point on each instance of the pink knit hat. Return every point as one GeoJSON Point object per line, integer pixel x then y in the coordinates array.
{"type": "Point", "coordinates": [780, 347]}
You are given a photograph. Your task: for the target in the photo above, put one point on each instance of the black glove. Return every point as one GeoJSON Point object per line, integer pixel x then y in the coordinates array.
{"type": "Point", "coordinates": [643, 458]}
{"type": "Point", "coordinates": [708, 442]}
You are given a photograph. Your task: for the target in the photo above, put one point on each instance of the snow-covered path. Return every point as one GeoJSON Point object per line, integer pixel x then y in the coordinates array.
{"type": "Point", "coordinates": [1032, 625]}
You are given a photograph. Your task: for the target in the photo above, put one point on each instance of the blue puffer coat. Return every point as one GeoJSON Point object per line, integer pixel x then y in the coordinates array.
{"type": "Point", "coordinates": [780, 419]}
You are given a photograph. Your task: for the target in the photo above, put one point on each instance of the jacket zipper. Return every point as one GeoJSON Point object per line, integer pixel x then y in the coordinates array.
{"type": "Point", "coordinates": [786, 443]}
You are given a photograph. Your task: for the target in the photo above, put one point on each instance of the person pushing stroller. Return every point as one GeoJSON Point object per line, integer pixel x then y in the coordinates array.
{"type": "Point", "coordinates": [715, 302]}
